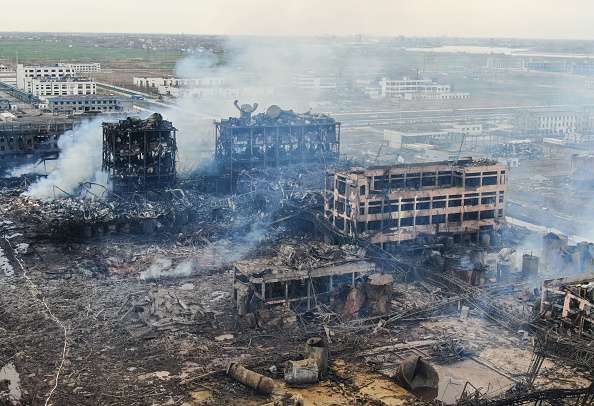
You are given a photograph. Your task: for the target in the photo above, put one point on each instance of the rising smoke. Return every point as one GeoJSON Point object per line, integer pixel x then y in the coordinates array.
{"type": "Point", "coordinates": [80, 162]}
{"type": "Point", "coordinates": [162, 267]}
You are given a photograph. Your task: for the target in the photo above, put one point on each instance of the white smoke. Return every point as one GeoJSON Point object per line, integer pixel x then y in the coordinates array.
{"type": "Point", "coordinates": [162, 267]}
{"type": "Point", "coordinates": [79, 162]}
{"type": "Point", "coordinates": [255, 70]}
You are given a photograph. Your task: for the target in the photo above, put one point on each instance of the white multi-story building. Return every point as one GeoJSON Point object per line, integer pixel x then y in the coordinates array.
{"type": "Point", "coordinates": [91, 104]}
{"type": "Point", "coordinates": [579, 139]}
{"type": "Point", "coordinates": [216, 92]}
{"type": "Point", "coordinates": [435, 96]}
{"type": "Point", "coordinates": [315, 82]}
{"type": "Point", "coordinates": [505, 63]}
{"type": "Point", "coordinates": [57, 70]}
{"type": "Point", "coordinates": [399, 88]}
{"type": "Point", "coordinates": [43, 87]}
{"type": "Point", "coordinates": [551, 120]}
{"type": "Point", "coordinates": [56, 80]}
{"type": "Point", "coordinates": [177, 82]}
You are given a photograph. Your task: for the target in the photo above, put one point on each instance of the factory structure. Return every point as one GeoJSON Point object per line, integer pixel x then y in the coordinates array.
{"type": "Point", "coordinates": [140, 155]}
{"type": "Point", "coordinates": [275, 138]}
{"type": "Point", "coordinates": [393, 204]}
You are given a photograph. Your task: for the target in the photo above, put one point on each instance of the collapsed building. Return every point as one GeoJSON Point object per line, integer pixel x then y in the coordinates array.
{"type": "Point", "coordinates": [275, 138]}
{"type": "Point", "coordinates": [28, 143]}
{"type": "Point", "coordinates": [140, 155]}
{"type": "Point", "coordinates": [393, 204]}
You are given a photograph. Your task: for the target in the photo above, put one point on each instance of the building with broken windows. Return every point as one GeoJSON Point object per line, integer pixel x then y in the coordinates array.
{"type": "Point", "coordinates": [392, 204]}
{"type": "Point", "coordinates": [27, 143]}
{"type": "Point", "coordinates": [140, 155]}
{"type": "Point", "coordinates": [274, 138]}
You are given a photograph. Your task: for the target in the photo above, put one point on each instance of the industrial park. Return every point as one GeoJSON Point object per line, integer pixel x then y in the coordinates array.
{"type": "Point", "coordinates": [211, 220]}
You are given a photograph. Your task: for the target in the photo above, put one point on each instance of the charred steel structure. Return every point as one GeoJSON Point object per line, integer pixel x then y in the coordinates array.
{"type": "Point", "coordinates": [27, 143]}
{"type": "Point", "coordinates": [274, 138]}
{"type": "Point", "coordinates": [140, 155]}
{"type": "Point", "coordinates": [391, 204]}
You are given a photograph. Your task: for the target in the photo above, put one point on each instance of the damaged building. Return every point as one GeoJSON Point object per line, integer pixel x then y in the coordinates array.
{"type": "Point", "coordinates": [140, 155]}
{"type": "Point", "coordinates": [393, 204]}
{"type": "Point", "coordinates": [275, 138]}
{"type": "Point", "coordinates": [27, 143]}
{"type": "Point", "coordinates": [305, 277]}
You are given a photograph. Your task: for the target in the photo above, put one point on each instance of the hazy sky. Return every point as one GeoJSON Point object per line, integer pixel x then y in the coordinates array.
{"type": "Point", "coordinates": [571, 19]}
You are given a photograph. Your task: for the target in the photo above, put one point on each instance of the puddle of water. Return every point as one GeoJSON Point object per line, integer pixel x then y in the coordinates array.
{"type": "Point", "coordinates": [14, 386]}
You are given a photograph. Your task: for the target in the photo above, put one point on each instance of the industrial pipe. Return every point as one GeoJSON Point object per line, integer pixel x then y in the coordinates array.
{"type": "Point", "coordinates": [254, 380]}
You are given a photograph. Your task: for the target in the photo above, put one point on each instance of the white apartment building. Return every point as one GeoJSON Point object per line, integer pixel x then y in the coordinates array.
{"type": "Point", "coordinates": [86, 67]}
{"type": "Point", "coordinates": [91, 104]}
{"type": "Point", "coordinates": [217, 92]}
{"type": "Point", "coordinates": [42, 87]}
{"type": "Point", "coordinates": [579, 139]}
{"type": "Point", "coordinates": [315, 82]}
{"type": "Point", "coordinates": [177, 82]}
{"type": "Point", "coordinates": [505, 63]}
{"type": "Point", "coordinates": [435, 96]}
{"type": "Point", "coordinates": [399, 88]}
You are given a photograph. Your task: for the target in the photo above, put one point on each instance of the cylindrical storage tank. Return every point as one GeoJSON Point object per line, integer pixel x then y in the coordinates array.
{"type": "Point", "coordinates": [486, 240]}
{"type": "Point", "coordinates": [551, 243]}
{"type": "Point", "coordinates": [317, 349]}
{"type": "Point", "coordinates": [254, 380]}
{"type": "Point", "coordinates": [529, 266]}
{"type": "Point", "coordinates": [301, 372]}
{"type": "Point", "coordinates": [504, 269]}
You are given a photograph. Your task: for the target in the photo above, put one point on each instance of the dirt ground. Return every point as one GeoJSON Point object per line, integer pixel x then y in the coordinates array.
{"type": "Point", "coordinates": [82, 323]}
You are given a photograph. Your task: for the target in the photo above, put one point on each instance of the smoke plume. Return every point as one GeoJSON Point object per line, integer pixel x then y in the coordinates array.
{"type": "Point", "coordinates": [79, 162]}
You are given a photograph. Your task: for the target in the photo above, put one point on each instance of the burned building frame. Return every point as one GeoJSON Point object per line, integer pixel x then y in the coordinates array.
{"type": "Point", "coordinates": [140, 155]}
{"type": "Point", "coordinates": [391, 204]}
{"type": "Point", "coordinates": [271, 283]}
{"type": "Point", "coordinates": [277, 137]}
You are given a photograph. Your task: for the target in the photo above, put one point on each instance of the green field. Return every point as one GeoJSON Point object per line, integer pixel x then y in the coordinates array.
{"type": "Point", "coordinates": [109, 55]}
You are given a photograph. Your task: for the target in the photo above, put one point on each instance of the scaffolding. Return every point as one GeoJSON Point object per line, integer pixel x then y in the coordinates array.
{"type": "Point", "coordinates": [140, 155]}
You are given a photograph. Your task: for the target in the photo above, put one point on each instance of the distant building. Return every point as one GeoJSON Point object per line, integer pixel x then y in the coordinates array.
{"type": "Point", "coordinates": [178, 82]}
{"type": "Point", "coordinates": [399, 139]}
{"type": "Point", "coordinates": [310, 82]}
{"type": "Point", "coordinates": [55, 80]}
{"type": "Point", "coordinates": [505, 63]}
{"type": "Point", "coordinates": [552, 120]}
{"type": "Point", "coordinates": [80, 104]}
{"type": "Point", "coordinates": [584, 140]}
{"type": "Point", "coordinates": [56, 71]}
{"type": "Point", "coordinates": [392, 204]}
{"type": "Point", "coordinates": [582, 69]}
{"type": "Point", "coordinates": [546, 66]}
{"type": "Point", "coordinates": [417, 89]}
{"type": "Point", "coordinates": [45, 87]}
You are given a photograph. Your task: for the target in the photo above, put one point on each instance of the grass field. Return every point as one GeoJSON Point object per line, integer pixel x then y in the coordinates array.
{"type": "Point", "coordinates": [109, 55]}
